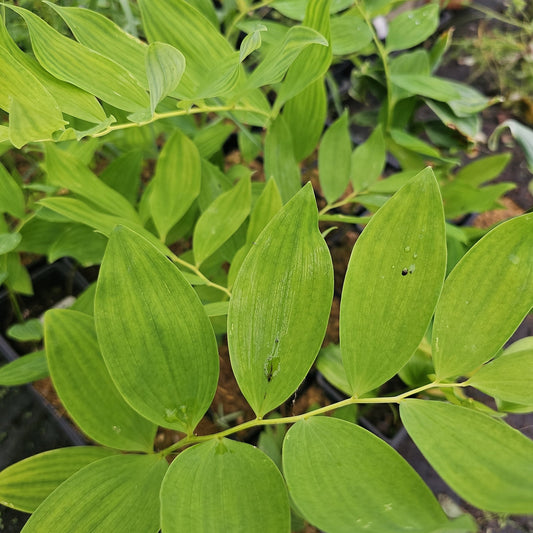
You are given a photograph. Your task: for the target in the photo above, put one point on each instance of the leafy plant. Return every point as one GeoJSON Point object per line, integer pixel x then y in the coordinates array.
{"type": "Point", "coordinates": [166, 374]}
{"type": "Point", "coordinates": [199, 250]}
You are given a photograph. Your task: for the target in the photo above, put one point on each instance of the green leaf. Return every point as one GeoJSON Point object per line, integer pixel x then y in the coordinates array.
{"type": "Point", "coordinates": [251, 42]}
{"type": "Point", "coordinates": [329, 363]}
{"type": "Point", "coordinates": [305, 127]}
{"type": "Point", "coordinates": [267, 205]}
{"type": "Point", "coordinates": [485, 461]}
{"type": "Point", "coordinates": [95, 31]}
{"type": "Point", "coordinates": [313, 62]}
{"type": "Point", "coordinates": [30, 330]}
{"type": "Point", "coordinates": [394, 277]}
{"type": "Point", "coordinates": [23, 370]}
{"type": "Point", "coordinates": [483, 169]}
{"type": "Point", "coordinates": [428, 86]}
{"type": "Point", "coordinates": [508, 377]}
{"type": "Point", "coordinates": [123, 174]}
{"type": "Point", "coordinates": [176, 183]}
{"type": "Point", "coordinates": [69, 98]}
{"type": "Point", "coordinates": [368, 161]}
{"type": "Point", "coordinates": [412, 27]}
{"type": "Point", "coordinates": [164, 66]}
{"type": "Point", "coordinates": [221, 220]}
{"type": "Point", "coordinates": [143, 298]}
{"type": "Point", "coordinates": [85, 301]}
{"type": "Point", "coordinates": [412, 143]}
{"type": "Point", "coordinates": [79, 242]}
{"type": "Point", "coordinates": [344, 479]}
{"type": "Point", "coordinates": [85, 388]}
{"type": "Point", "coordinates": [279, 160]}
{"type": "Point", "coordinates": [226, 483]}
{"type": "Point", "coordinates": [280, 58]}
{"type": "Point", "coordinates": [296, 9]}
{"type": "Point", "coordinates": [119, 494]}
{"type": "Point", "coordinates": [522, 134]}
{"type": "Point", "coordinates": [468, 126]}
{"type": "Point", "coordinates": [26, 484]}
{"type": "Point", "coordinates": [202, 45]}
{"type": "Point", "coordinates": [64, 170]}
{"type": "Point", "coordinates": [484, 299]}
{"type": "Point", "coordinates": [349, 34]}
{"type": "Point", "coordinates": [334, 159]}
{"type": "Point", "coordinates": [91, 71]}
{"type": "Point", "coordinates": [469, 101]}
{"type": "Point", "coordinates": [18, 278]}
{"type": "Point", "coordinates": [280, 305]}
{"type": "Point", "coordinates": [11, 195]}
{"type": "Point", "coordinates": [9, 241]}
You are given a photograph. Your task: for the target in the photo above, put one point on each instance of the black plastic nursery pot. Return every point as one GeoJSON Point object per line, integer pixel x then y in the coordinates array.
{"type": "Point", "coordinates": [28, 423]}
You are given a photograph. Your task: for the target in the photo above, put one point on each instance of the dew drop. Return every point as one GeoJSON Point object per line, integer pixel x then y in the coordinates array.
{"type": "Point", "coordinates": [415, 255]}
{"type": "Point", "coordinates": [117, 429]}
{"type": "Point", "coordinates": [514, 259]}
{"type": "Point", "coordinates": [407, 249]}
{"type": "Point", "coordinates": [411, 268]}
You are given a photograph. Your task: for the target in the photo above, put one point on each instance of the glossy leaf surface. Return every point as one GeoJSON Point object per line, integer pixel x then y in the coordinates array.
{"type": "Point", "coordinates": [280, 305]}
{"type": "Point", "coordinates": [118, 494]}
{"type": "Point", "coordinates": [486, 462]}
{"type": "Point", "coordinates": [168, 368]}
{"type": "Point", "coordinates": [334, 156]}
{"type": "Point", "coordinates": [344, 479]}
{"type": "Point", "coordinates": [224, 486]}
{"type": "Point", "coordinates": [26, 484]}
{"type": "Point", "coordinates": [484, 299]}
{"type": "Point", "coordinates": [221, 220]}
{"type": "Point", "coordinates": [176, 183]}
{"type": "Point", "coordinates": [85, 388]}
{"type": "Point", "coordinates": [393, 281]}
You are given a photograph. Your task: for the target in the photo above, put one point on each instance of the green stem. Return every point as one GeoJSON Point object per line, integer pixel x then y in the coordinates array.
{"type": "Point", "coordinates": [193, 439]}
{"type": "Point", "coordinates": [179, 113]}
{"type": "Point", "coordinates": [243, 12]}
{"type": "Point", "coordinates": [195, 270]}
{"type": "Point", "coordinates": [15, 304]}
{"type": "Point", "coordinates": [497, 16]}
{"type": "Point", "coordinates": [340, 203]}
{"type": "Point", "coordinates": [384, 59]}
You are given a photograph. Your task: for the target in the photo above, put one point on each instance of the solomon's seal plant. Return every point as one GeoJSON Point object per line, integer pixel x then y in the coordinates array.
{"type": "Point", "coordinates": [148, 358]}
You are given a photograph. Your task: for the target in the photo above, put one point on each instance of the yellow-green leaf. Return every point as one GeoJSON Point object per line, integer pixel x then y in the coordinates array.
{"type": "Point", "coordinates": [168, 368]}
{"type": "Point", "coordinates": [393, 281]}
{"type": "Point", "coordinates": [484, 299]}
{"type": "Point", "coordinates": [485, 461]}
{"type": "Point", "coordinates": [224, 475]}
{"type": "Point", "coordinates": [280, 305]}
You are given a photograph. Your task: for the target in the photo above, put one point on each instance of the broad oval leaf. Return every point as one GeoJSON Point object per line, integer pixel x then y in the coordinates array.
{"type": "Point", "coordinates": [176, 183]}
{"type": "Point", "coordinates": [26, 484]}
{"type": "Point", "coordinates": [229, 476]}
{"type": "Point", "coordinates": [393, 281]}
{"type": "Point", "coordinates": [334, 155]}
{"type": "Point", "coordinates": [29, 330]}
{"type": "Point", "coordinates": [221, 220]}
{"type": "Point", "coordinates": [344, 479]}
{"type": "Point", "coordinates": [9, 241]}
{"type": "Point", "coordinates": [164, 66]}
{"type": "Point", "coordinates": [412, 27]}
{"type": "Point", "coordinates": [280, 305]}
{"type": "Point", "coordinates": [486, 462]}
{"type": "Point", "coordinates": [484, 299]}
{"type": "Point", "coordinates": [349, 34]}
{"type": "Point", "coordinates": [25, 369]}
{"type": "Point", "coordinates": [119, 494]}
{"type": "Point", "coordinates": [156, 339]}
{"type": "Point", "coordinates": [509, 377]}
{"type": "Point", "coordinates": [85, 388]}
{"type": "Point", "coordinates": [91, 71]}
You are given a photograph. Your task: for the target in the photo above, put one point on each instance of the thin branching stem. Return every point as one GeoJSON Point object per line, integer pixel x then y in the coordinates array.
{"type": "Point", "coordinates": [258, 422]}
{"type": "Point", "coordinates": [340, 203]}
